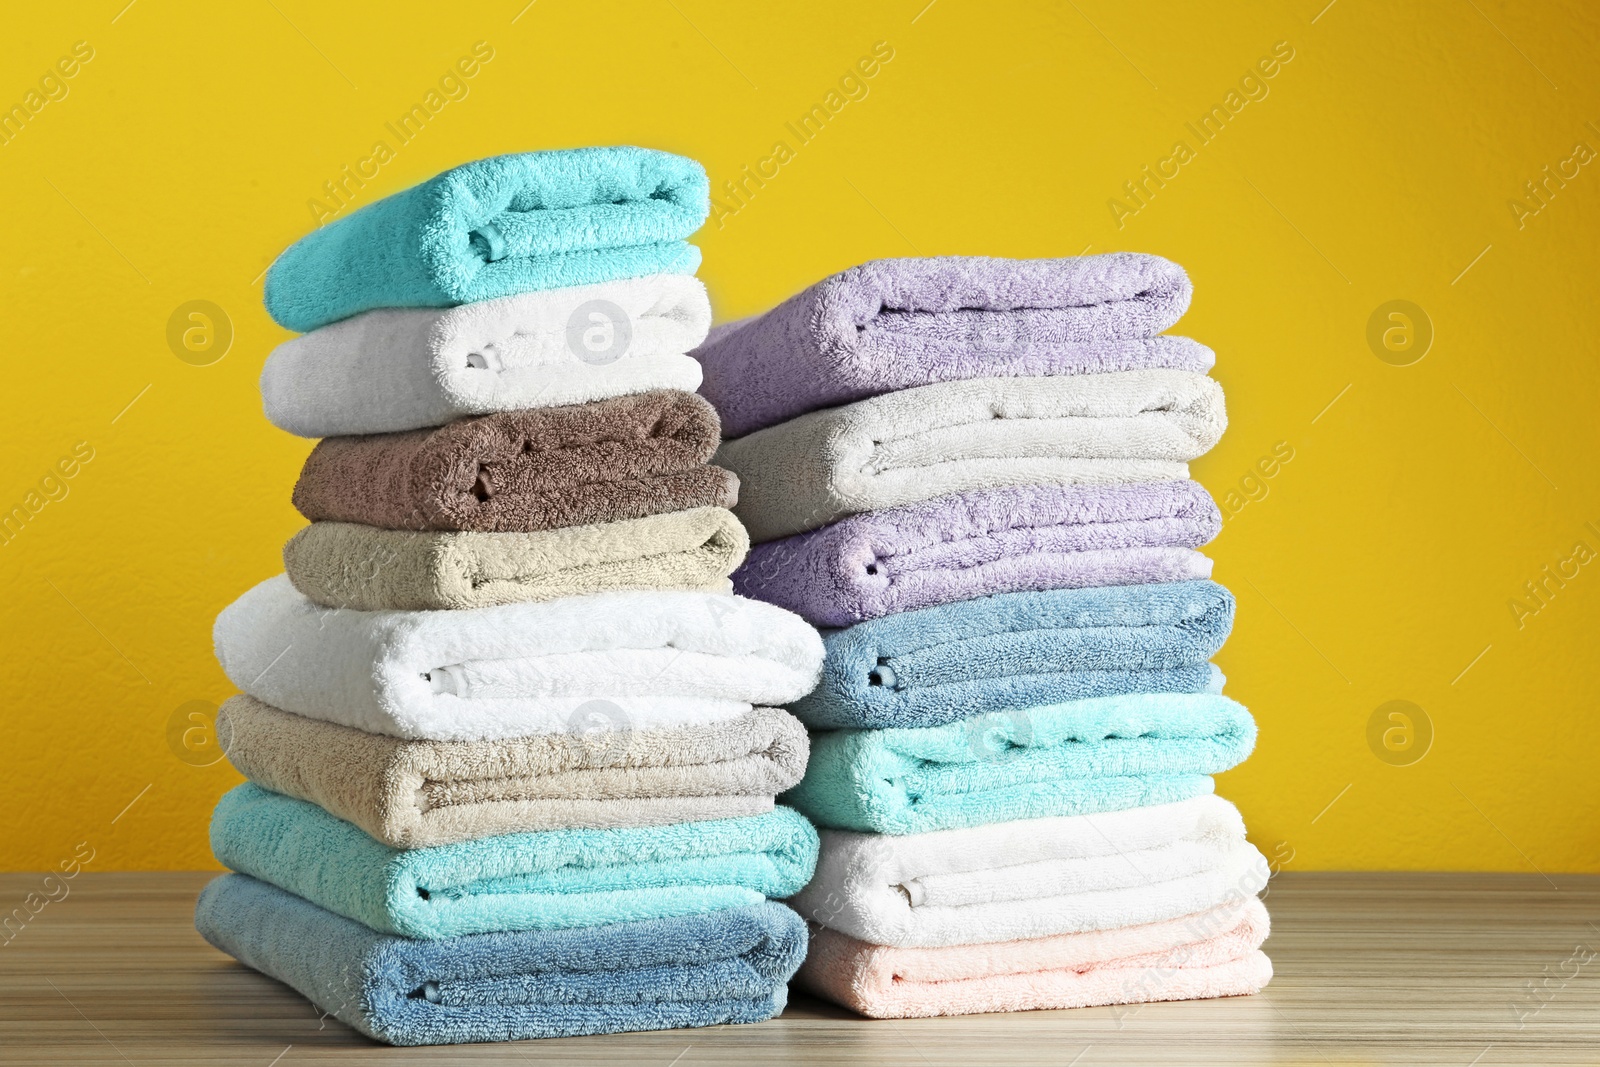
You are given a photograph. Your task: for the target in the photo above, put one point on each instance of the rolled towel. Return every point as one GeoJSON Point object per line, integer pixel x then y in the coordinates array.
{"type": "Point", "coordinates": [1020, 650]}
{"type": "Point", "coordinates": [622, 458]}
{"type": "Point", "coordinates": [1215, 953]}
{"type": "Point", "coordinates": [896, 323]}
{"type": "Point", "coordinates": [553, 880]}
{"type": "Point", "coordinates": [1034, 877]}
{"type": "Point", "coordinates": [650, 659]}
{"type": "Point", "coordinates": [986, 541]}
{"type": "Point", "coordinates": [347, 565]}
{"type": "Point", "coordinates": [728, 966]}
{"type": "Point", "coordinates": [412, 794]}
{"type": "Point", "coordinates": [404, 368]}
{"type": "Point", "coordinates": [982, 433]}
{"type": "Point", "coordinates": [499, 226]}
{"type": "Point", "coordinates": [1087, 756]}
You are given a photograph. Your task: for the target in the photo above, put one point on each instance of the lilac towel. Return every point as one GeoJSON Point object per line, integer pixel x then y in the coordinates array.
{"type": "Point", "coordinates": [895, 323]}
{"type": "Point", "coordinates": [1028, 538]}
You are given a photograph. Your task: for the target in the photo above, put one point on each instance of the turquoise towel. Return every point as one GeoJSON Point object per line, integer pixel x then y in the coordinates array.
{"type": "Point", "coordinates": [500, 226]}
{"type": "Point", "coordinates": [729, 966]}
{"type": "Point", "coordinates": [553, 880]}
{"type": "Point", "coordinates": [1085, 756]}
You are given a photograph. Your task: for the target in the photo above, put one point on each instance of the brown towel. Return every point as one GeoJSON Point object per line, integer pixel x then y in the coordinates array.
{"type": "Point", "coordinates": [576, 465]}
{"type": "Point", "coordinates": [411, 794]}
{"type": "Point", "coordinates": [347, 565]}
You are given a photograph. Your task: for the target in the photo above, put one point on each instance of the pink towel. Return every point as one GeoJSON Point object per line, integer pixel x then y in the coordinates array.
{"type": "Point", "coordinates": [1215, 953]}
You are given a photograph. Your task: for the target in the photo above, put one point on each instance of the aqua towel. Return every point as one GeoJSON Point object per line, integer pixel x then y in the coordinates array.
{"type": "Point", "coordinates": [698, 970]}
{"type": "Point", "coordinates": [1020, 650]}
{"type": "Point", "coordinates": [497, 227]}
{"type": "Point", "coordinates": [552, 880]}
{"type": "Point", "coordinates": [1087, 756]}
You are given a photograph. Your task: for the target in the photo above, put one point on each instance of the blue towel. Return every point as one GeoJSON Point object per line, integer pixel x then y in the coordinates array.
{"type": "Point", "coordinates": [500, 226]}
{"type": "Point", "coordinates": [1020, 650]}
{"type": "Point", "coordinates": [1094, 755]}
{"type": "Point", "coordinates": [728, 966]}
{"type": "Point", "coordinates": [553, 880]}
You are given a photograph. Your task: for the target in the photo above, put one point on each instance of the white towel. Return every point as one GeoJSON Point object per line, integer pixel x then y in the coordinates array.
{"type": "Point", "coordinates": [649, 658]}
{"type": "Point", "coordinates": [1033, 877]}
{"type": "Point", "coordinates": [405, 368]}
{"type": "Point", "coordinates": [982, 433]}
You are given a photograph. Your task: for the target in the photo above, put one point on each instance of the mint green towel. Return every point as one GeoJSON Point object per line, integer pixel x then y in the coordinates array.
{"type": "Point", "coordinates": [555, 880]}
{"type": "Point", "coordinates": [497, 227]}
{"type": "Point", "coordinates": [1101, 754]}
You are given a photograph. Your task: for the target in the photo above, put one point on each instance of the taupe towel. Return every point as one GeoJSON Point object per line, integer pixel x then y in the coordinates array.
{"type": "Point", "coordinates": [347, 565]}
{"type": "Point", "coordinates": [621, 458]}
{"type": "Point", "coordinates": [412, 794]}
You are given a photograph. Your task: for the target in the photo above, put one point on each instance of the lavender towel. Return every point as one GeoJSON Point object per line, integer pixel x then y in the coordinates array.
{"type": "Point", "coordinates": [1026, 538]}
{"type": "Point", "coordinates": [895, 323]}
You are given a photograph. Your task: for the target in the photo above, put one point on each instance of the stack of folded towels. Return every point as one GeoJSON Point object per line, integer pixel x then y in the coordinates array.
{"type": "Point", "coordinates": [974, 473]}
{"type": "Point", "coordinates": [509, 734]}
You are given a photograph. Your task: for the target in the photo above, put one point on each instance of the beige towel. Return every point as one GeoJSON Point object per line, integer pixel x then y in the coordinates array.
{"type": "Point", "coordinates": [346, 565]}
{"type": "Point", "coordinates": [412, 794]}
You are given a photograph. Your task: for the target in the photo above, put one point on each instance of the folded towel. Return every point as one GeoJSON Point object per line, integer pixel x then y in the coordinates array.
{"type": "Point", "coordinates": [1213, 954]}
{"type": "Point", "coordinates": [1086, 756]}
{"type": "Point", "coordinates": [1033, 877]}
{"type": "Point", "coordinates": [347, 565]}
{"type": "Point", "coordinates": [403, 368]}
{"type": "Point", "coordinates": [986, 541]}
{"type": "Point", "coordinates": [499, 226]}
{"type": "Point", "coordinates": [1020, 650]}
{"type": "Point", "coordinates": [895, 323]}
{"type": "Point", "coordinates": [983, 433]}
{"type": "Point", "coordinates": [553, 880]}
{"type": "Point", "coordinates": [654, 659]}
{"type": "Point", "coordinates": [411, 794]}
{"type": "Point", "coordinates": [622, 458]}
{"type": "Point", "coordinates": [729, 966]}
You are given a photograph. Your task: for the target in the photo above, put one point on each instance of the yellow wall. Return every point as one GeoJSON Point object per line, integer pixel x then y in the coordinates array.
{"type": "Point", "coordinates": [1378, 564]}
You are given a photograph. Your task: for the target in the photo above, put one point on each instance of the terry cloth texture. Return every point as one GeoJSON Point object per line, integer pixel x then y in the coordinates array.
{"type": "Point", "coordinates": [987, 541]}
{"type": "Point", "coordinates": [412, 794]}
{"type": "Point", "coordinates": [1020, 650]}
{"type": "Point", "coordinates": [729, 966]}
{"type": "Point", "coordinates": [504, 225]}
{"type": "Point", "coordinates": [896, 323]}
{"type": "Point", "coordinates": [1213, 954]}
{"type": "Point", "coordinates": [642, 660]}
{"type": "Point", "coordinates": [983, 433]}
{"type": "Point", "coordinates": [1034, 877]}
{"type": "Point", "coordinates": [403, 368]}
{"type": "Point", "coordinates": [622, 458]}
{"type": "Point", "coordinates": [347, 565]}
{"type": "Point", "coordinates": [554, 880]}
{"type": "Point", "coordinates": [1095, 755]}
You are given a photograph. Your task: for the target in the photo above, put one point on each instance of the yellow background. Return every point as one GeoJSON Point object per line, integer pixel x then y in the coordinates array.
{"type": "Point", "coordinates": [1379, 565]}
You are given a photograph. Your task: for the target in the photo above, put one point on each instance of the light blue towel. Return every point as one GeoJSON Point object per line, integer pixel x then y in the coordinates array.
{"type": "Point", "coordinates": [1094, 755]}
{"type": "Point", "coordinates": [500, 226]}
{"type": "Point", "coordinates": [1020, 650]}
{"type": "Point", "coordinates": [552, 880]}
{"type": "Point", "coordinates": [729, 966]}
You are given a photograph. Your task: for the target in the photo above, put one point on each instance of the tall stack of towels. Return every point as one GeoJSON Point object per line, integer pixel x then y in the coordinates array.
{"type": "Point", "coordinates": [973, 473]}
{"type": "Point", "coordinates": [511, 740]}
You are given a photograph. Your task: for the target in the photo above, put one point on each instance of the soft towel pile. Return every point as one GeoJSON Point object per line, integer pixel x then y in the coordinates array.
{"type": "Point", "coordinates": [512, 756]}
{"type": "Point", "coordinates": [977, 470]}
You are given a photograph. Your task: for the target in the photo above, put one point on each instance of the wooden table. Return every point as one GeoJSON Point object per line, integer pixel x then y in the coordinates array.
{"type": "Point", "coordinates": [1462, 969]}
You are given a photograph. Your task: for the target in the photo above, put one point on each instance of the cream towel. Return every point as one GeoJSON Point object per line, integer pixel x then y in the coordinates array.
{"type": "Point", "coordinates": [347, 565]}
{"type": "Point", "coordinates": [406, 368]}
{"type": "Point", "coordinates": [412, 794]}
{"type": "Point", "coordinates": [1214, 953]}
{"type": "Point", "coordinates": [1033, 877]}
{"type": "Point", "coordinates": [982, 433]}
{"type": "Point", "coordinates": [659, 658]}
